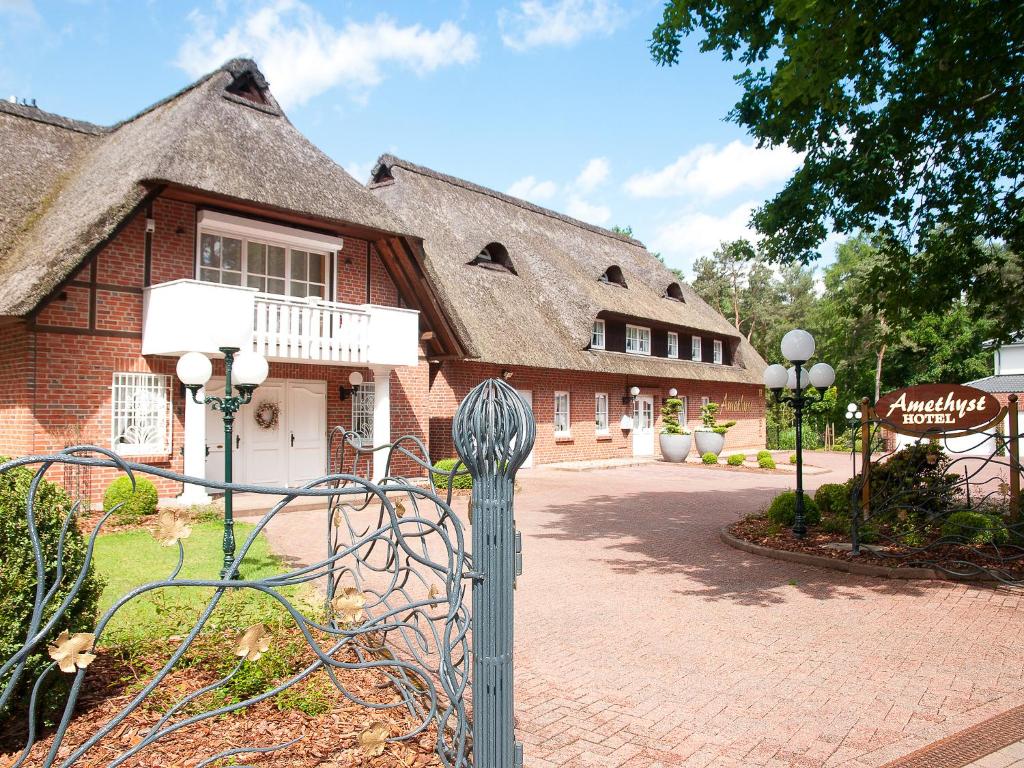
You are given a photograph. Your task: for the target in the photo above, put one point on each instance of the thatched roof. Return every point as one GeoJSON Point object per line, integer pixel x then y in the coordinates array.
{"type": "Point", "coordinates": [541, 316]}
{"type": "Point", "coordinates": [66, 185]}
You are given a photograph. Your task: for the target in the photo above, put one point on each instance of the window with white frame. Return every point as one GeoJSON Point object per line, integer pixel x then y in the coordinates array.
{"type": "Point", "coordinates": [673, 344]}
{"type": "Point", "coordinates": [718, 351]}
{"type": "Point", "coordinates": [362, 413]}
{"type": "Point", "coordinates": [704, 401]}
{"type": "Point", "coordinates": [561, 413]}
{"type": "Point", "coordinates": [638, 340]}
{"type": "Point", "coordinates": [597, 335]}
{"type": "Point", "coordinates": [141, 414]}
{"type": "Point", "coordinates": [273, 259]}
{"type": "Point", "coordinates": [601, 413]}
{"type": "Point", "coordinates": [683, 409]}
{"type": "Point", "coordinates": [695, 348]}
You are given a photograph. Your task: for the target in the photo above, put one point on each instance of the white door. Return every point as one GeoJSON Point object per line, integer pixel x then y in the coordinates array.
{"type": "Point", "coordinates": [643, 426]}
{"type": "Point", "coordinates": [527, 395]}
{"type": "Point", "coordinates": [306, 446]}
{"type": "Point", "coordinates": [215, 438]}
{"type": "Point", "coordinates": [262, 448]}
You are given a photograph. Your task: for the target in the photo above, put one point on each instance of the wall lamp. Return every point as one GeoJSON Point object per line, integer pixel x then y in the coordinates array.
{"type": "Point", "coordinates": [671, 393]}
{"type": "Point", "coordinates": [630, 396]}
{"type": "Point", "coordinates": [354, 379]}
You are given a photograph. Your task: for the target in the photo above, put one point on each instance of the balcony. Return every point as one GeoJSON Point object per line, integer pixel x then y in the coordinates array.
{"type": "Point", "coordinates": [190, 315]}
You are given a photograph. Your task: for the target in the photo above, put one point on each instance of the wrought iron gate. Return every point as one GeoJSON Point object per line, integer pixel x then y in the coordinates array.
{"type": "Point", "coordinates": [948, 501]}
{"type": "Point", "coordinates": [392, 605]}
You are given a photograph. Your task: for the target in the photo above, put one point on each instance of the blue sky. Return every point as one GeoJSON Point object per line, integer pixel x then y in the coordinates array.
{"type": "Point", "coordinates": [556, 101]}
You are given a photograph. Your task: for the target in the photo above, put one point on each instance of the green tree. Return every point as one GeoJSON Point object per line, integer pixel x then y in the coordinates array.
{"type": "Point", "coordinates": [908, 117]}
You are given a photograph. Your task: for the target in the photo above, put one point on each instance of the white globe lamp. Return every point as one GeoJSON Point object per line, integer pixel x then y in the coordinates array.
{"type": "Point", "coordinates": [250, 369]}
{"type": "Point", "coordinates": [194, 369]}
{"type": "Point", "coordinates": [822, 375]}
{"type": "Point", "coordinates": [775, 377]}
{"type": "Point", "coordinates": [791, 378]}
{"type": "Point", "coordinates": [355, 378]}
{"type": "Point", "coordinates": [798, 346]}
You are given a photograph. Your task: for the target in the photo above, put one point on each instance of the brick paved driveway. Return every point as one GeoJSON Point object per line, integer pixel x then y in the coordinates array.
{"type": "Point", "coordinates": [642, 640]}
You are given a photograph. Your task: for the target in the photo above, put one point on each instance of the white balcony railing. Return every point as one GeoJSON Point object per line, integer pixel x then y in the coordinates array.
{"type": "Point", "coordinates": [186, 315]}
{"type": "Point", "coordinates": [310, 330]}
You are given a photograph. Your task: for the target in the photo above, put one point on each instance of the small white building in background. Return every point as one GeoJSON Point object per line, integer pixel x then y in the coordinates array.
{"type": "Point", "coordinates": [1008, 379]}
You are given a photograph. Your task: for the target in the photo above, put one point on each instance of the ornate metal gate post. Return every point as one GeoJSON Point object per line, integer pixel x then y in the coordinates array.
{"type": "Point", "coordinates": [493, 433]}
{"type": "Point", "coordinates": [1013, 449]}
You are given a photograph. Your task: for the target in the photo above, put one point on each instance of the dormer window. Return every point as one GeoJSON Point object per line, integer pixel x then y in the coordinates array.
{"type": "Point", "coordinates": [675, 292]}
{"type": "Point", "coordinates": [613, 276]}
{"type": "Point", "coordinates": [597, 335]}
{"type": "Point", "coordinates": [245, 85]}
{"type": "Point", "coordinates": [494, 256]}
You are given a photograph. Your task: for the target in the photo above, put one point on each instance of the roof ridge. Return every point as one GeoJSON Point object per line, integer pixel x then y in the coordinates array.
{"type": "Point", "coordinates": [388, 158]}
{"type": "Point", "coordinates": [38, 115]}
{"type": "Point", "coordinates": [233, 67]}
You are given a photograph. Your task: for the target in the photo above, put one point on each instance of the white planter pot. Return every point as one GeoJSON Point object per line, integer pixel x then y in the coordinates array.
{"type": "Point", "coordinates": [675, 447]}
{"type": "Point", "coordinates": [709, 442]}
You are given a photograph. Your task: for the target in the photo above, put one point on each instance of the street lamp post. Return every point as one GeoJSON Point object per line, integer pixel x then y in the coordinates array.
{"type": "Point", "coordinates": [798, 348]}
{"type": "Point", "coordinates": [243, 372]}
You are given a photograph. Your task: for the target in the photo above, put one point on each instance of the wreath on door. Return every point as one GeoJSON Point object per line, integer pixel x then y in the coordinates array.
{"type": "Point", "coordinates": [267, 415]}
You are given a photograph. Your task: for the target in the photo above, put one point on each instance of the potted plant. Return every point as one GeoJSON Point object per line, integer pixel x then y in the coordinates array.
{"type": "Point", "coordinates": [711, 435]}
{"type": "Point", "coordinates": [674, 439]}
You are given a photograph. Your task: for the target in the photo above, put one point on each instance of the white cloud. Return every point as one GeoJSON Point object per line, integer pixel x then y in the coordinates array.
{"type": "Point", "coordinates": [303, 55]}
{"type": "Point", "coordinates": [588, 212]}
{"type": "Point", "coordinates": [529, 188]}
{"type": "Point", "coordinates": [593, 175]}
{"type": "Point", "coordinates": [712, 172]}
{"type": "Point", "coordinates": [561, 22]}
{"type": "Point", "coordinates": [359, 171]}
{"type": "Point", "coordinates": [695, 233]}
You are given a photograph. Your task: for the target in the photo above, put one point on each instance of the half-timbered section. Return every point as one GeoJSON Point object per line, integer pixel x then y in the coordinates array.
{"type": "Point", "coordinates": [572, 315]}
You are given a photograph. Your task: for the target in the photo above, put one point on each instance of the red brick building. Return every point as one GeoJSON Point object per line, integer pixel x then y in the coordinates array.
{"type": "Point", "coordinates": [207, 220]}
{"type": "Point", "coordinates": [574, 316]}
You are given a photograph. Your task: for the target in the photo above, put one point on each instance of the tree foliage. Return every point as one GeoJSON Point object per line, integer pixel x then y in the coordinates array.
{"type": "Point", "coordinates": [909, 116]}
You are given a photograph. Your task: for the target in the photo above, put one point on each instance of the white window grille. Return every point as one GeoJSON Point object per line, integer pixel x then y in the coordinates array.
{"type": "Point", "coordinates": [718, 351]}
{"type": "Point", "coordinates": [561, 413]}
{"type": "Point", "coordinates": [673, 344]}
{"type": "Point", "coordinates": [141, 414]}
{"type": "Point", "coordinates": [695, 349]}
{"type": "Point", "coordinates": [362, 413]}
{"type": "Point", "coordinates": [601, 413]}
{"type": "Point", "coordinates": [638, 340]}
{"type": "Point", "coordinates": [597, 335]}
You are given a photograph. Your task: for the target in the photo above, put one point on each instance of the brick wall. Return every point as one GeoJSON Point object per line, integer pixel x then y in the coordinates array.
{"type": "Point", "coordinates": [743, 403]}
{"type": "Point", "coordinates": [16, 391]}
{"type": "Point", "coordinates": [56, 372]}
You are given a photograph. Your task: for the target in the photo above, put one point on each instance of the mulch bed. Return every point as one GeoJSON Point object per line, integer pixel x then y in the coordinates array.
{"type": "Point", "coordinates": [328, 740]}
{"type": "Point", "coordinates": [758, 530]}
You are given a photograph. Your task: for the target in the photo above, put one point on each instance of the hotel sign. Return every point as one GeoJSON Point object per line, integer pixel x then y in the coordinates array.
{"type": "Point", "coordinates": [932, 408]}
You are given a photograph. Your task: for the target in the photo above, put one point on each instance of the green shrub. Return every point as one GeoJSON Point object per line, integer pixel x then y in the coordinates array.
{"type": "Point", "coordinates": [670, 417]}
{"type": "Point", "coordinates": [975, 528]}
{"type": "Point", "coordinates": [792, 458]}
{"type": "Point", "coordinates": [782, 510]}
{"type": "Point", "coordinates": [444, 468]}
{"type": "Point", "coordinates": [762, 454]}
{"type": "Point", "coordinates": [709, 458]}
{"type": "Point", "coordinates": [133, 503]}
{"type": "Point", "coordinates": [766, 462]}
{"type": "Point", "coordinates": [837, 524]}
{"type": "Point", "coordinates": [787, 439]}
{"type": "Point", "coordinates": [18, 574]}
{"type": "Point", "coordinates": [915, 479]}
{"type": "Point", "coordinates": [833, 499]}
{"type": "Point", "coordinates": [736, 460]}
{"type": "Point", "coordinates": [709, 418]}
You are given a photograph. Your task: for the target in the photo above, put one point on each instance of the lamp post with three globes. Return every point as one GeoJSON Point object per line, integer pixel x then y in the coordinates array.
{"type": "Point", "coordinates": [798, 348]}
{"type": "Point", "coordinates": [243, 372]}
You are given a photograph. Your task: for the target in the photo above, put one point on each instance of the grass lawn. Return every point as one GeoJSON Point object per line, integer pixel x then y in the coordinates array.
{"type": "Point", "coordinates": [128, 559]}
